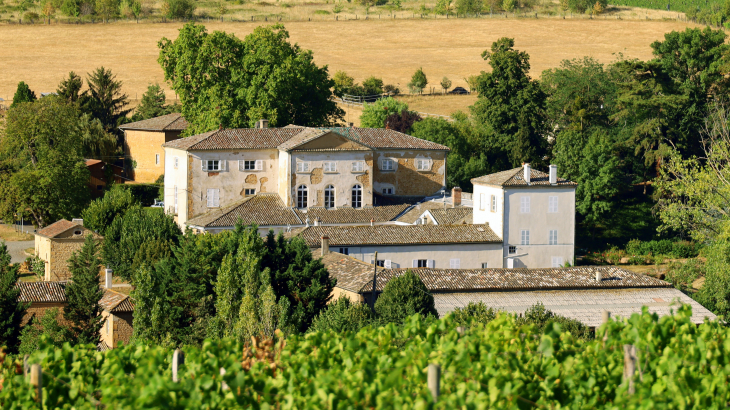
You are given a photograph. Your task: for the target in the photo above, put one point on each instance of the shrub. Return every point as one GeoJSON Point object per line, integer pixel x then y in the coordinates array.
{"type": "Point", "coordinates": [614, 255]}
{"type": "Point", "coordinates": [101, 212]}
{"type": "Point", "coordinates": [144, 194]}
{"type": "Point", "coordinates": [402, 297]}
{"type": "Point", "coordinates": [541, 317]}
{"type": "Point", "coordinates": [37, 266]}
{"type": "Point", "coordinates": [637, 260]}
{"type": "Point", "coordinates": [374, 115]}
{"type": "Point", "coordinates": [685, 249]}
{"type": "Point", "coordinates": [633, 247]}
{"type": "Point", "coordinates": [682, 275]}
{"type": "Point", "coordinates": [178, 9]}
{"type": "Point", "coordinates": [391, 89]}
{"type": "Point", "coordinates": [478, 312]}
{"type": "Point", "coordinates": [342, 316]}
{"type": "Point", "coordinates": [30, 16]}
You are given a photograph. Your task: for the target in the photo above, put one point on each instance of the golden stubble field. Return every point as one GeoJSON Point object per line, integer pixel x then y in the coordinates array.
{"type": "Point", "coordinates": [392, 50]}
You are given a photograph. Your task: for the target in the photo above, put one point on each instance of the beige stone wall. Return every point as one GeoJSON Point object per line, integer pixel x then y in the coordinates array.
{"type": "Point", "coordinates": [117, 328]}
{"type": "Point", "coordinates": [339, 292]}
{"type": "Point", "coordinates": [142, 147]}
{"type": "Point", "coordinates": [61, 252]}
{"type": "Point", "coordinates": [39, 309]}
{"type": "Point", "coordinates": [405, 179]}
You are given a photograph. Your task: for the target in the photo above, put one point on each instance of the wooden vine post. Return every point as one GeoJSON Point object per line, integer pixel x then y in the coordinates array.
{"type": "Point", "coordinates": [178, 358]}
{"type": "Point", "coordinates": [630, 366]}
{"type": "Point", "coordinates": [36, 380]}
{"type": "Point", "coordinates": [434, 380]}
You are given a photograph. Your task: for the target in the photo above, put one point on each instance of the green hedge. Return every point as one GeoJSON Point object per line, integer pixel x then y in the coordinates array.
{"type": "Point", "coordinates": [675, 249]}
{"type": "Point", "coordinates": [145, 194]}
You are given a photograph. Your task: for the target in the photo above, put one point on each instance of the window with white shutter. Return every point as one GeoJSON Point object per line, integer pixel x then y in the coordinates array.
{"type": "Point", "coordinates": [553, 237]}
{"type": "Point", "coordinates": [454, 263]}
{"type": "Point", "coordinates": [302, 166]}
{"type": "Point", "coordinates": [494, 203]}
{"type": "Point", "coordinates": [213, 165]}
{"type": "Point", "coordinates": [553, 204]}
{"type": "Point", "coordinates": [214, 199]}
{"type": "Point", "coordinates": [485, 265]}
{"type": "Point", "coordinates": [431, 263]}
{"type": "Point", "coordinates": [259, 165]}
{"type": "Point", "coordinates": [557, 261]}
{"type": "Point", "coordinates": [330, 166]}
{"type": "Point", "coordinates": [420, 263]}
{"type": "Point", "coordinates": [386, 164]}
{"type": "Point", "coordinates": [525, 204]}
{"type": "Point", "coordinates": [250, 165]}
{"type": "Point", "coordinates": [525, 237]}
{"type": "Point", "coordinates": [482, 201]}
{"type": "Point", "coordinates": [388, 263]}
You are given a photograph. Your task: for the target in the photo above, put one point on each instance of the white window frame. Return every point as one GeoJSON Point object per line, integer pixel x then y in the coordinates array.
{"type": "Point", "coordinates": [249, 191]}
{"type": "Point", "coordinates": [175, 162]}
{"type": "Point", "coordinates": [524, 237]}
{"type": "Point", "coordinates": [455, 263]}
{"type": "Point", "coordinates": [305, 198]}
{"type": "Point", "coordinates": [482, 201]}
{"type": "Point", "coordinates": [552, 204]}
{"type": "Point", "coordinates": [302, 167]}
{"type": "Point", "coordinates": [553, 237]}
{"type": "Point", "coordinates": [485, 265]}
{"type": "Point", "coordinates": [250, 165]}
{"type": "Point", "coordinates": [221, 165]}
{"type": "Point", "coordinates": [524, 204]}
{"type": "Point", "coordinates": [423, 164]}
{"type": "Point", "coordinates": [329, 196]}
{"type": "Point", "coordinates": [493, 205]}
{"type": "Point", "coordinates": [420, 263]}
{"type": "Point", "coordinates": [557, 261]}
{"type": "Point", "coordinates": [213, 198]}
{"type": "Point", "coordinates": [387, 164]}
{"type": "Point", "coordinates": [157, 159]}
{"type": "Point", "coordinates": [330, 167]}
{"type": "Point", "coordinates": [356, 199]}
{"type": "Point", "coordinates": [358, 166]}
{"type": "Point", "coordinates": [344, 251]}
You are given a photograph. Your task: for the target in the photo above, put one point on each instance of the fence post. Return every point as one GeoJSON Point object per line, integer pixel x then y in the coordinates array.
{"type": "Point", "coordinates": [26, 369]}
{"type": "Point", "coordinates": [434, 380]}
{"type": "Point", "coordinates": [630, 366]}
{"type": "Point", "coordinates": [606, 316]}
{"type": "Point", "coordinates": [36, 379]}
{"type": "Point", "coordinates": [224, 385]}
{"type": "Point", "coordinates": [461, 330]}
{"type": "Point", "coordinates": [178, 358]}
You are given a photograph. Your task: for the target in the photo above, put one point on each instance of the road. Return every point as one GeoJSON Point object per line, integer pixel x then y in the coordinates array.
{"type": "Point", "coordinates": [17, 249]}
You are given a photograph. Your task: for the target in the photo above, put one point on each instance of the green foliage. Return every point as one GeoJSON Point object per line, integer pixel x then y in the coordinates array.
{"type": "Point", "coordinates": [715, 291]}
{"type": "Point", "coordinates": [473, 312]}
{"type": "Point", "coordinates": [100, 213]}
{"type": "Point", "coordinates": [404, 296]}
{"type": "Point", "coordinates": [543, 319]}
{"type": "Point", "coordinates": [675, 249]}
{"type": "Point", "coordinates": [179, 9]}
{"type": "Point", "coordinates": [682, 275]}
{"type": "Point", "coordinates": [83, 293]}
{"type": "Point", "coordinates": [153, 104]}
{"type": "Point", "coordinates": [23, 94]}
{"type": "Point", "coordinates": [469, 7]}
{"type": "Point", "coordinates": [224, 81]}
{"type": "Point", "coordinates": [445, 84]}
{"type": "Point", "coordinates": [107, 9]}
{"type": "Point", "coordinates": [374, 114]}
{"type": "Point", "coordinates": [373, 85]}
{"type": "Point", "coordinates": [104, 99]}
{"type": "Point", "coordinates": [44, 331]}
{"type": "Point", "coordinates": [343, 83]}
{"type": "Point", "coordinates": [11, 310]}
{"type": "Point", "coordinates": [37, 266]}
{"type": "Point", "coordinates": [444, 7]}
{"type": "Point", "coordinates": [70, 88]}
{"type": "Point", "coordinates": [342, 316]}
{"type": "Point", "coordinates": [501, 364]}
{"type": "Point", "coordinates": [418, 82]}
{"type": "Point", "coordinates": [143, 194]}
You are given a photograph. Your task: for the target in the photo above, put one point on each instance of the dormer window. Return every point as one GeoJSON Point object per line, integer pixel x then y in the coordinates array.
{"type": "Point", "coordinates": [77, 232]}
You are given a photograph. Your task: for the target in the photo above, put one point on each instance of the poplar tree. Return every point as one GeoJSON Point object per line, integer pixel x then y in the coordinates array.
{"type": "Point", "coordinates": [11, 310]}
{"type": "Point", "coordinates": [23, 94]}
{"type": "Point", "coordinates": [84, 292]}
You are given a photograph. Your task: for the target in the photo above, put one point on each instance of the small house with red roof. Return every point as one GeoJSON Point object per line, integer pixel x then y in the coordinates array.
{"type": "Point", "coordinates": [57, 242]}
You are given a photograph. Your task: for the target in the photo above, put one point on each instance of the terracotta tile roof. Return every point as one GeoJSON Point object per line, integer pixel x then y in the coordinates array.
{"type": "Point", "coordinates": [115, 302]}
{"type": "Point", "coordinates": [169, 122]}
{"type": "Point", "coordinates": [351, 274]}
{"type": "Point", "coordinates": [351, 215]}
{"type": "Point", "coordinates": [580, 277]}
{"type": "Point", "coordinates": [515, 177]}
{"type": "Point", "coordinates": [261, 209]}
{"type": "Point", "coordinates": [397, 234]}
{"type": "Point", "coordinates": [42, 292]}
{"type": "Point", "coordinates": [240, 138]}
{"type": "Point", "coordinates": [452, 216]}
{"type": "Point", "coordinates": [90, 162]}
{"type": "Point", "coordinates": [381, 200]}
{"type": "Point", "coordinates": [290, 137]}
{"type": "Point", "coordinates": [57, 228]}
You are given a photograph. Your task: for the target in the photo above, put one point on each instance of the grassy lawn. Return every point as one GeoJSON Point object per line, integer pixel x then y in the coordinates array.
{"type": "Point", "coordinates": [8, 234]}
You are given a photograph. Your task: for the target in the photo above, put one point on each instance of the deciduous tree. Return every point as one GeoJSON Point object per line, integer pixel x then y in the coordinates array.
{"type": "Point", "coordinates": [374, 114]}
{"type": "Point", "coordinates": [404, 296]}
{"type": "Point", "coordinates": [418, 82]}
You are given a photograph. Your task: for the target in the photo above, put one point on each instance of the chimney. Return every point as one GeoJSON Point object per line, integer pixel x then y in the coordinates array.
{"type": "Point", "coordinates": [78, 221]}
{"type": "Point", "coordinates": [456, 196]}
{"type": "Point", "coordinates": [527, 168]}
{"type": "Point", "coordinates": [553, 174]}
{"type": "Point", "coordinates": [108, 278]}
{"type": "Point", "coordinates": [599, 276]}
{"type": "Point", "coordinates": [372, 222]}
{"type": "Point", "coordinates": [325, 245]}
{"type": "Point", "coordinates": [263, 123]}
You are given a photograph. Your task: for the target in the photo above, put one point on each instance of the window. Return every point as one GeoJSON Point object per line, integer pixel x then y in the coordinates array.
{"type": "Point", "coordinates": [512, 250]}
{"type": "Point", "coordinates": [157, 159]}
{"type": "Point", "coordinates": [77, 232]}
{"type": "Point", "coordinates": [557, 262]}
{"type": "Point", "coordinates": [245, 165]}
{"type": "Point", "coordinates": [358, 166]}
{"type": "Point", "coordinates": [454, 263]}
{"type": "Point", "coordinates": [524, 237]}
{"type": "Point", "coordinates": [212, 165]}
{"type": "Point", "coordinates": [99, 187]}
{"type": "Point", "coordinates": [423, 263]}
{"type": "Point", "coordinates": [525, 204]}
{"type": "Point", "coordinates": [357, 196]}
{"type": "Point", "coordinates": [387, 164]}
{"type": "Point", "coordinates": [214, 200]}
{"type": "Point", "coordinates": [553, 204]}
{"type": "Point", "coordinates": [175, 162]}
{"type": "Point", "coordinates": [302, 166]}
{"type": "Point", "coordinates": [249, 191]}
{"type": "Point", "coordinates": [423, 164]}
{"type": "Point", "coordinates": [485, 265]}
{"type": "Point", "coordinates": [493, 203]}
{"type": "Point", "coordinates": [345, 251]}
{"type": "Point", "coordinates": [553, 237]}
{"type": "Point", "coordinates": [330, 166]}
{"type": "Point", "coordinates": [302, 196]}
{"type": "Point", "coordinates": [380, 262]}
{"type": "Point", "coordinates": [387, 191]}
{"type": "Point", "coordinates": [174, 199]}
{"type": "Point", "coordinates": [329, 198]}
{"type": "Point", "coordinates": [482, 201]}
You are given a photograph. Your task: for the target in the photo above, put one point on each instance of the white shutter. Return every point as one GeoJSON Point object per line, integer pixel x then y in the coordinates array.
{"type": "Point", "coordinates": [205, 164]}
{"type": "Point", "coordinates": [454, 263]}
{"type": "Point", "coordinates": [415, 263]}
{"type": "Point", "coordinates": [259, 165]}
{"type": "Point", "coordinates": [210, 198]}
{"type": "Point", "coordinates": [217, 198]}
{"type": "Point", "coordinates": [431, 263]}
{"type": "Point", "coordinates": [510, 263]}
{"type": "Point", "coordinates": [388, 264]}
{"type": "Point", "coordinates": [241, 165]}
{"type": "Point", "coordinates": [223, 165]}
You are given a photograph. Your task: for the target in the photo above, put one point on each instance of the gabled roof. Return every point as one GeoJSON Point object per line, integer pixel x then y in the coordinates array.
{"type": "Point", "coordinates": [42, 292]}
{"type": "Point", "coordinates": [351, 274]}
{"type": "Point", "coordinates": [115, 302]}
{"type": "Point", "coordinates": [397, 235]}
{"type": "Point", "coordinates": [169, 122]}
{"type": "Point", "coordinates": [57, 228]}
{"type": "Point", "coordinates": [290, 137]}
{"type": "Point", "coordinates": [452, 216]}
{"type": "Point", "coordinates": [261, 209]}
{"type": "Point", "coordinates": [515, 177]}
{"type": "Point", "coordinates": [351, 215]}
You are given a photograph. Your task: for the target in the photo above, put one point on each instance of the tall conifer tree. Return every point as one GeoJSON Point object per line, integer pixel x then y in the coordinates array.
{"type": "Point", "coordinates": [84, 292]}
{"type": "Point", "coordinates": [11, 310]}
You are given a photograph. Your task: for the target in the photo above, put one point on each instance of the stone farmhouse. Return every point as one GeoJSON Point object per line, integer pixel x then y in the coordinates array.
{"type": "Point", "coordinates": [143, 144]}
{"type": "Point", "coordinates": [57, 242]}
{"type": "Point", "coordinates": [581, 293]}
{"type": "Point", "coordinates": [307, 168]}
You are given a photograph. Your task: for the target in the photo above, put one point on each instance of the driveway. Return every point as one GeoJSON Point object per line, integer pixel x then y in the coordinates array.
{"type": "Point", "coordinates": [17, 248]}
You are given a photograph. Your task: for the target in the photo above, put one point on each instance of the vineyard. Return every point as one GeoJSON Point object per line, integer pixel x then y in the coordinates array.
{"type": "Point", "coordinates": [497, 365]}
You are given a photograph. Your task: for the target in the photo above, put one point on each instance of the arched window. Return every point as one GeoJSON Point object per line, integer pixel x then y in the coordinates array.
{"type": "Point", "coordinates": [357, 196]}
{"type": "Point", "coordinates": [329, 196]}
{"type": "Point", "coordinates": [302, 196]}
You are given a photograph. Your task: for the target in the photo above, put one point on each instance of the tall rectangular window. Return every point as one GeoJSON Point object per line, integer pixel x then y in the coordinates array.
{"type": "Point", "coordinates": [157, 159]}
{"type": "Point", "coordinates": [553, 204]}
{"type": "Point", "coordinates": [176, 162]}
{"type": "Point", "coordinates": [330, 166]}
{"type": "Point", "coordinates": [553, 237]}
{"type": "Point", "coordinates": [423, 164]}
{"type": "Point", "coordinates": [525, 204]}
{"type": "Point", "coordinates": [214, 200]}
{"type": "Point", "coordinates": [482, 201]}
{"type": "Point", "coordinates": [494, 203]}
{"type": "Point", "coordinates": [386, 164]}
{"type": "Point", "coordinates": [454, 263]}
{"type": "Point", "coordinates": [358, 166]}
{"type": "Point", "coordinates": [557, 261]}
{"type": "Point", "coordinates": [524, 237]}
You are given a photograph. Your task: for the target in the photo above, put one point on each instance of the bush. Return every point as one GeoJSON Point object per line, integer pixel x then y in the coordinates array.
{"type": "Point", "coordinates": [675, 249]}
{"type": "Point", "coordinates": [478, 312]}
{"type": "Point", "coordinates": [102, 211]}
{"type": "Point", "coordinates": [178, 9]}
{"type": "Point", "coordinates": [539, 316]}
{"type": "Point", "coordinates": [144, 194]}
{"type": "Point", "coordinates": [637, 260]}
{"type": "Point", "coordinates": [37, 266]}
{"type": "Point", "coordinates": [374, 115]}
{"type": "Point", "coordinates": [402, 297]}
{"type": "Point", "coordinates": [30, 17]}
{"type": "Point", "coordinates": [342, 316]}
{"type": "Point", "coordinates": [681, 275]}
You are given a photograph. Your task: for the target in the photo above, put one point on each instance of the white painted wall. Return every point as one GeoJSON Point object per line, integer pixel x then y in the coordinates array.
{"type": "Point", "coordinates": [539, 254]}
{"type": "Point", "coordinates": [176, 177]}
{"type": "Point", "coordinates": [471, 256]}
{"type": "Point", "coordinates": [482, 207]}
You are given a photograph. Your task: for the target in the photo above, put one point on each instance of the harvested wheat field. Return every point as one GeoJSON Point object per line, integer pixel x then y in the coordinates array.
{"type": "Point", "coordinates": [392, 50]}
